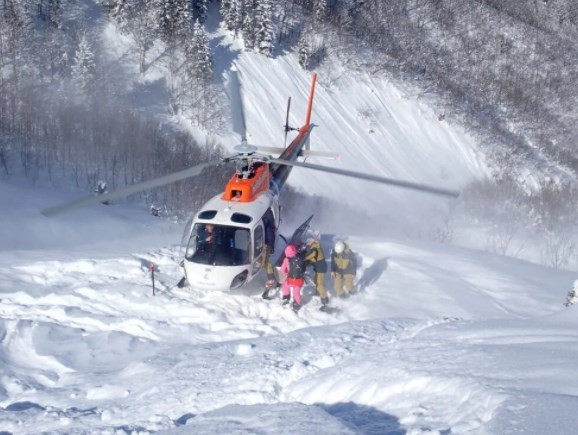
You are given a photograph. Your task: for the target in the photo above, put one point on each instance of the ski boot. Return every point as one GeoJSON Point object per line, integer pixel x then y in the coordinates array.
{"type": "Point", "coordinates": [296, 307]}
{"type": "Point", "coordinates": [182, 283]}
{"type": "Point", "coordinates": [324, 304]}
{"type": "Point", "coordinates": [285, 300]}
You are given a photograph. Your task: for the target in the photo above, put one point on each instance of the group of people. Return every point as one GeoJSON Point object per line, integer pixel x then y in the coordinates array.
{"type": "Point", "coordinates": [343, 270]}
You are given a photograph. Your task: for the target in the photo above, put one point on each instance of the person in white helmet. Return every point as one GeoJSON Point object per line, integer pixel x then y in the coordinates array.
{"type": "Point", "coordinates": [343, 269]}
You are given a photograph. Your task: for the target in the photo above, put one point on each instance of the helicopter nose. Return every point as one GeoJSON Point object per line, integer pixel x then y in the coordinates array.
{"type": "Point", "coordinates": [223, 278]}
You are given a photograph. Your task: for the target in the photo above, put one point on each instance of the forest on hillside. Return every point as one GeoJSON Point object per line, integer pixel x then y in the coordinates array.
{"type": "Point", "coordinates": [506, 70]}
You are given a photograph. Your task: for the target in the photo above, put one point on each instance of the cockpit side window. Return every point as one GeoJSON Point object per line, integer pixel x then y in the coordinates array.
{"type": "Point", "coordinates": [258, 240]}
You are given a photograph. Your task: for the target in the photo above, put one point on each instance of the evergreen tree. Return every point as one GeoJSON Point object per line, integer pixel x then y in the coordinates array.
{"type": "Point", "coordinates": [120, 9]}
{"type": "Point", "coordinates": [304, 52]}
{"type": "Point", "coordinates": [320, 9]}
{"type": "Point", "coordinates": [183, 19]}
{"type": "Point", "coordinates": [237, 15]}
{"type": "Point", "coordinates": [199, 10]}
{"type": "Point", "coordinates": [143, 31]}
{"type": "Point", "coordinates": [54, 55]}
{"type": "Point", "coordinates": [55, 14]}
{"type": "Point", "coordinates": [123, 13]}
{"type": "Point", "coordinates": [166, 20]}
{"type": "Point", "coordinates": [264, 27]}
{"type": "Point", "coordinates": [231, 11]}
{"type": "Point", "coordinates": [201, 53]}
{"type": "Point", "coordinates": [84, 68]}
{"type": "Point", "coordinates": [224, 11]}
{"type": "Point", "coordinates": [248, 27]}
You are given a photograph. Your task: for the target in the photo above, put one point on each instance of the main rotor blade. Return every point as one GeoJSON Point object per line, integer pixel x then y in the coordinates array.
{"type": "Point", "coordinates": [238, 113]}
{"type": "Point", "coordinates": [361, 175]}
{"type": "Point", "coordinates": [303, 153]}
{"type": "Point", "coordinates": [134, 188]}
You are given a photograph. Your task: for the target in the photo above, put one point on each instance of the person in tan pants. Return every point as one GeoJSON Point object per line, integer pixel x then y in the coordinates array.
{"type": "Point", "coordinates": [343, 269]}
{"type": "Point", "coordinates": [315, 257]}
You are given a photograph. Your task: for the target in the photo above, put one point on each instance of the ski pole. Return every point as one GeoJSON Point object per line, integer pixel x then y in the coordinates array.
{"type": "Point", "coordinates": [152, 271]}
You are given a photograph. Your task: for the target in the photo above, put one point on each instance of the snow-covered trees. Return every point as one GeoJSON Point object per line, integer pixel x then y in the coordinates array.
{"type": "Point", "coordinates": [84, 68]}
{"type": "Point", "coordinates": [264, 34]}
{"type": "Point", "coordinates": [174, 20]}
{"type": "Point", "coordinates": [253, 19]}
{"type": "Point", "coordinates": [55, 13]}
{"type": "Point", "coordinates": [304, 52]}
{"type": "Point", "coordinates": [198, 54]}
{"type": "Point", "coordinates": [121, 11]}
{"type": "Point", "coordinates": [248, 24]}
{"type": "Point", "coordinates": [199, 10]}
{"type": "Point", "coordinates": [321, 9]}
{"type": "Point", "coordinates": [183, 19]}
{"type": "Point", "coordinates": [232, 14]}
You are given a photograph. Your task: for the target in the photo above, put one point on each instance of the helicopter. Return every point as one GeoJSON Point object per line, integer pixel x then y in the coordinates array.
{"type": "Point", "coordinates": [224, 242]}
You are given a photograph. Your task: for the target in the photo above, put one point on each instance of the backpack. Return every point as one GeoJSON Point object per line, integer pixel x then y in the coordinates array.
{"type": "Point", "coordinates": [296, 267]}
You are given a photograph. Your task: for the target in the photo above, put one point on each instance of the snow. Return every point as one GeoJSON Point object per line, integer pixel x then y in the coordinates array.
{"type": "Point", "coordinates": [440, 340]}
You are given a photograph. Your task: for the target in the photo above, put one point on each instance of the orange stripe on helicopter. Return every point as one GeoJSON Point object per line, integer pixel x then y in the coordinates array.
{"type": "Point", "coordinates": [259, 177]}
{"type": "Point", "coordinates": [309, 104]}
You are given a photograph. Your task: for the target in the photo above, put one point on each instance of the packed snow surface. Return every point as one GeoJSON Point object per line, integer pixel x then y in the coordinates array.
{"type": "Point", "coordinates": [439, 340]}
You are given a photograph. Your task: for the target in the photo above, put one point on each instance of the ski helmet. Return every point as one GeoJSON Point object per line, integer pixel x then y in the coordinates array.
{"type": "Point", "coordinates": [290, 251]}
{"type": "Point", "coordinates": [339, 247]}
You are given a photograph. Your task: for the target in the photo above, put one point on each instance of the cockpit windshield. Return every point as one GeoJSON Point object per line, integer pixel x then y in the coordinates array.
{"type": "Point", "coordinates": [219, 245]}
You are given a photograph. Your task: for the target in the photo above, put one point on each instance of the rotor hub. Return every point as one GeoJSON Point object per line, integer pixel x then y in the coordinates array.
{"type": "Point", "coordinates": [246, 149]}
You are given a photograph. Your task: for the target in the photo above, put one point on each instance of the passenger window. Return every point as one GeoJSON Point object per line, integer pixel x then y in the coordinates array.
{"type": "Point", "coordinates": [259, 240]}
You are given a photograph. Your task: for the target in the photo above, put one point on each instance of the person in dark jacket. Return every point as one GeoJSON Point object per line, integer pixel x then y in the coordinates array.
{"type": "Point", "coordinates": [269, 248]}
{"type": "Point", "coordinates": [293, 268]}
{"type": "Point", "coordinates": [343, 269]}
{"type": "Point", "coordinates": [315, 257]}
{"type": "Point", "coordinates": [206, 243]}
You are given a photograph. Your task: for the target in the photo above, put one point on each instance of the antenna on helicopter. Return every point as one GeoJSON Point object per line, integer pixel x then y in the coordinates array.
{"type": "Point", "coordinates": [287, 128]}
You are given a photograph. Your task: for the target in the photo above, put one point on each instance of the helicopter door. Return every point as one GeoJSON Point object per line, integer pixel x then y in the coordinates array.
{"type": "Point", "coordinates": [258, 245]}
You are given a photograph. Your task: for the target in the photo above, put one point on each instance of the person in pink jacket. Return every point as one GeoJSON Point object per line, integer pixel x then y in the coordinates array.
{"type": "Point", "coordinates": [293, 267]}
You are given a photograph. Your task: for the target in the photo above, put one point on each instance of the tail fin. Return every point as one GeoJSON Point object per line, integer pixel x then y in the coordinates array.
{"type": "Point", "coordinates": [305, 126]}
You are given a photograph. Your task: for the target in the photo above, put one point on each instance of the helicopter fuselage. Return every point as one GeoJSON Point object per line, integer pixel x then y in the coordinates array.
{"type": "Point", "coordinates": [225, 242]}
{"type": "Point", "coordinates": [232, 252]}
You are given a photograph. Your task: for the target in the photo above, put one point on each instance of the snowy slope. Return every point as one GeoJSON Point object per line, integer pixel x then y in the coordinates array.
{"type": "Point", "coordinates": [371, 124]}
{"type": "Point", "coordinates": [440, 340]}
